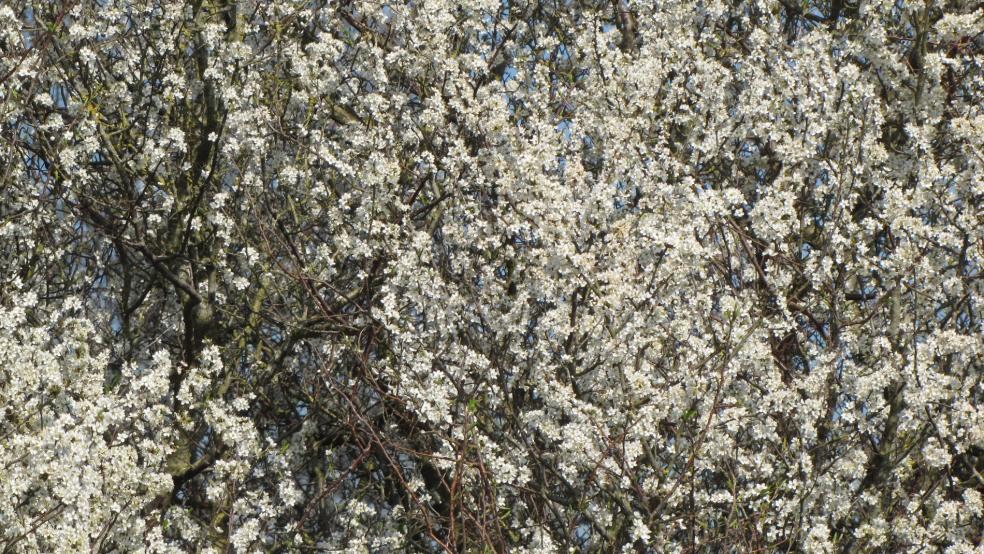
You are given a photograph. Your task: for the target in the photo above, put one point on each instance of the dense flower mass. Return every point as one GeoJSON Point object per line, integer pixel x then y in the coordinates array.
{"type": "Point", "coordinates": [491, 276]}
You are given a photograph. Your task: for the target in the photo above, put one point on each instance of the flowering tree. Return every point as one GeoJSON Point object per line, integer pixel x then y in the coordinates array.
{"type": "Point", "coordinates": [491, 276]}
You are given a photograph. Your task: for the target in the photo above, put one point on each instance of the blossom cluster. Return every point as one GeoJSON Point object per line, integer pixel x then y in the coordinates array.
{"type": "Point", "coordinates": [491, 276]}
